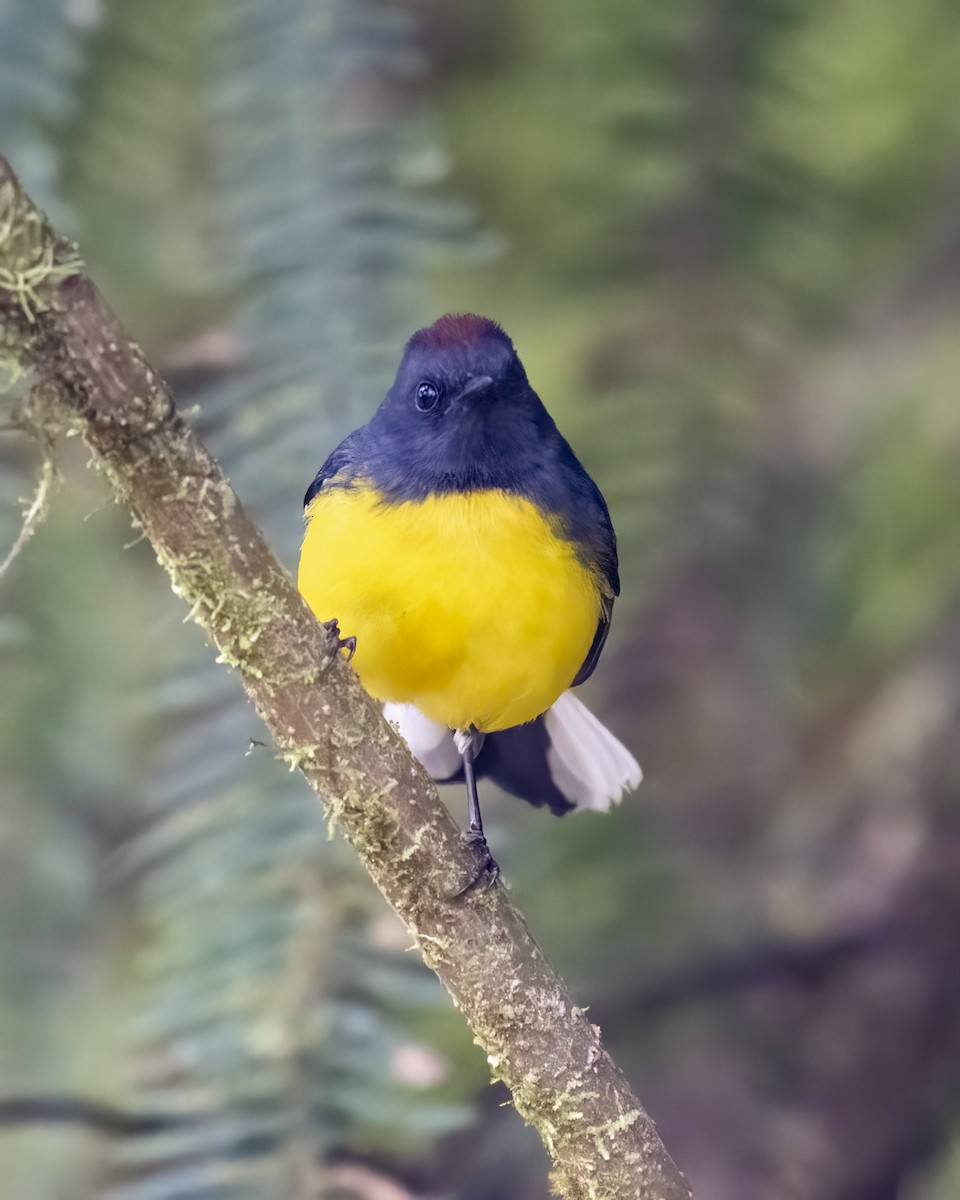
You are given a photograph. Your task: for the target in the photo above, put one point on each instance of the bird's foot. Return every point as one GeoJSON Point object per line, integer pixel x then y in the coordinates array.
{"type": "Point", "coordinates": [343, 643]}
{"type": "Point", "coordinates": [486, 872]}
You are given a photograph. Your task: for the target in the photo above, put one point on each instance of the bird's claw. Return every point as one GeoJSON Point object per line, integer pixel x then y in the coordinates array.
{"type": "Point", "coordinates": [487, 871]}
{"type": "Point", "coordinates": [343, 643]}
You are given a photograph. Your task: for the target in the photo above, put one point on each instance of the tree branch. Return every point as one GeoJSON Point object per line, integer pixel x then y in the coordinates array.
{"type": "Point", "coordinates": [91, 379]}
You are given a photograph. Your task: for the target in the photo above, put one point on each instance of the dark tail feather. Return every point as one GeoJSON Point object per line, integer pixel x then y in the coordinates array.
{"type": "Point", "coordinates": [516, 760]}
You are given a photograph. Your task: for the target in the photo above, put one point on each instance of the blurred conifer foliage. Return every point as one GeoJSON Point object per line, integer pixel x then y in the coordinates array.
{"type": "Point", "coordinates": [725, 240]}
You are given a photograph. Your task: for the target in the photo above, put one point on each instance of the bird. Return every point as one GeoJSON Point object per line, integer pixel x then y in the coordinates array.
{"type": "Point", "coordinates": [471, 559]}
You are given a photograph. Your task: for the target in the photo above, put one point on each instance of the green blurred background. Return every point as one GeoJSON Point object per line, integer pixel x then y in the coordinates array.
{"type": "Point", "coordinates": [725, 239]}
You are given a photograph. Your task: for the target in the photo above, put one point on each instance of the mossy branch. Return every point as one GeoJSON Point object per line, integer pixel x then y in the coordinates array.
{"type": "Point", "coordinates": [91, 379]}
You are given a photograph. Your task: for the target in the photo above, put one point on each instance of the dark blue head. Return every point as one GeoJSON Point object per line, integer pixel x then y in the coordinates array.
{"type": "Point", "coordinates": [461, 417]}
{"type": "Point", "coordinates": [460, 414]}
{"type": "Point", "coordinates": [460, 350]}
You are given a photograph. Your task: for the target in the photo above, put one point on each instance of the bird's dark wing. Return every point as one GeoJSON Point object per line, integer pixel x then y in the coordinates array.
{"type": "Point", "coordinates": [589, 524]}
{"type": "Point", "coordinates": [340, 468]}
{"type": "Point", "coordinates": [596, 646]}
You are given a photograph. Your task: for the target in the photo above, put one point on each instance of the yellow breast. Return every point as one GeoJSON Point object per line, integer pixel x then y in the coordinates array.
{"type": "Point", "coordinates": [469, 606]}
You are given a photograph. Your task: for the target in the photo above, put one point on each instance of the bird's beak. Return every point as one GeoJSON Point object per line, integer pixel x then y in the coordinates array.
{"type": "Point", "coordinates": [476, 386]}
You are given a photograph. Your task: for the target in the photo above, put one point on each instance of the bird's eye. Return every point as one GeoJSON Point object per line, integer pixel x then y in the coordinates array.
{"type": "Point", "coordinates": [428, 395]}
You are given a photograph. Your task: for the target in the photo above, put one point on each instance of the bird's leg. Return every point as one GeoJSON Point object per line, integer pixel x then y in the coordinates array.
{"type": "Point", "coordinates": [469, 743]}
{"type": "Point", "coordinates": [343, 643]}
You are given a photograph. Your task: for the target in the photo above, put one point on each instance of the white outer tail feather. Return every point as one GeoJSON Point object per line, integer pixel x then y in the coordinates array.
{"type": "Point", "coordinates": [430, 744]}
{"type": "Point", "coordinates": [587, 763]}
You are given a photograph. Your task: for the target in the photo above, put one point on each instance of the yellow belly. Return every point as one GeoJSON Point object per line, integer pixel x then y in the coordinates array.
{"type": "Point", "coordinates": [467, 605]}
